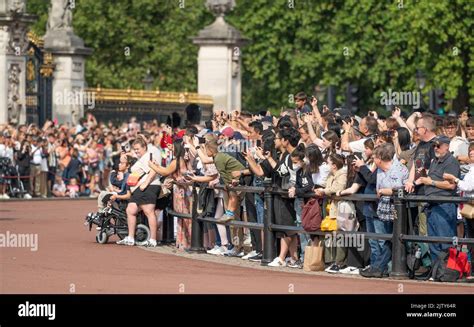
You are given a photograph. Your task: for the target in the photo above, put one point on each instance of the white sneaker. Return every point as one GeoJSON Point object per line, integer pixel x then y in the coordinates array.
{"type": "Point", "coordinates": [350, 270]}
{"type": "Point", "coordinates": [248, 255]}
{"type": "Point", "coordinates": [221, 250]}
{"type": "Point", "coordinates": [151, 243]}
{"type": "Point", "coordinates": [213, 250]}
{"type": "Point", "coordinates": [277, 262]}
{"type": "Point", "coordinates": [227, 251]}
{"type": "Point", "coordinates": [5, 196]}
{"type": "Point", "coordinates": [127, 241]}
{"type": "Point", "coordinates": [27, 196]}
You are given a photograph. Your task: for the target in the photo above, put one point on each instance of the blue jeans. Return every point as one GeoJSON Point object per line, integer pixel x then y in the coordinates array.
{"type": "Point", "coordinates": [385, 254]}
{"type": "Point", "coordinates": [374, 244]}
{"type": "Point", "coordinates": [304, 238]}
{"type": "Point", "coordinates": [442, 219]}
{"type": "Point", "coordinates": [260, 209]}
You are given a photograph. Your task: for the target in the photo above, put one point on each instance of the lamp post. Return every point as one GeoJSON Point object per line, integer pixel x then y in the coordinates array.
{"type": "Point", "coordinates": [420, 79]}
{"type": "Point", "coordinates": [320, 92]}
{"type": "Point", "coordinates": [420, 84]}
{"type": "Point", "coordinates": [148, 80]}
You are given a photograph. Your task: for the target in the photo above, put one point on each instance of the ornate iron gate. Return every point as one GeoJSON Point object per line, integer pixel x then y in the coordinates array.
{"type": "Point", "coordinates": [39, 88]}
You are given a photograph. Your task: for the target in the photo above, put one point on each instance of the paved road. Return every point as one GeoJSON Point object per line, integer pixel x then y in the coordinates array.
{"type": "Point", "coordinates": [68, 259]}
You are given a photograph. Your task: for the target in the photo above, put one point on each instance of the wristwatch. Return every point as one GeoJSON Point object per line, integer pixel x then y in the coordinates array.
{"type": "Point", "coordinates": [433, 183]}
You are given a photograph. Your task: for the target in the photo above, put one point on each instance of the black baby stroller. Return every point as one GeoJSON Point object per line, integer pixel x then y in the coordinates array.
{"type": "Point", "coordinates": [10, 176]}
{"type": "Point", "coordinates": [112, 220]}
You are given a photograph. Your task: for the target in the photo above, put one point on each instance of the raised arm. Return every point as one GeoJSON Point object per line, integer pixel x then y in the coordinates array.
{"type": "Point", "coordinates": [396, 114]}
{"type": "Point", "coordinates": [411, 121]}
{"type": "Point", "coordinates": [345, 137]}
{"type": "Point", "coordinates": [163, 171]}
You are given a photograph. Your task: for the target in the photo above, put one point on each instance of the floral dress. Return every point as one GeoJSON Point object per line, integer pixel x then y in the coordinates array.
{"type": "Point", "coordinates": [182, 203]}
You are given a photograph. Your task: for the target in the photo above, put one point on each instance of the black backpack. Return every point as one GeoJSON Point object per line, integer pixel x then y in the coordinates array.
{"type": "Point", "coordinates": [416, 269]}
{"type": "Point", "coordinates": [441, 272]}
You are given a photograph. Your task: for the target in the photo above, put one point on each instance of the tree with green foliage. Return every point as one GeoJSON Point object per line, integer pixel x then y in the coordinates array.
{"type": "Point", "coordinates": [295, 45]}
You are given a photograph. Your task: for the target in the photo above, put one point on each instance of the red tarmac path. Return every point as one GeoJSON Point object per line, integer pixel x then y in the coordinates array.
{"type": "Point", "coordinates": [69, 258]}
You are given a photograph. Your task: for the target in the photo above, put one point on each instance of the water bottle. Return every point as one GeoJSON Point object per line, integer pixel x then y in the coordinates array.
{"type": "Point", "coordinates": [416, 264]}
{"type": "Point", "coordinates": [418, 253]}
{"type": "Point", "coordinates": [417, 259]}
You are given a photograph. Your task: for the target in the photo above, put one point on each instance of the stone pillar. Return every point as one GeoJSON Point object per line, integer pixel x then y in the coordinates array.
{"type": "Point", "coordinates": [69, 55]}
{"type": "Point", "coordinates": [14, 24]}
{"type": "Point", "coordinates": [219, 59]}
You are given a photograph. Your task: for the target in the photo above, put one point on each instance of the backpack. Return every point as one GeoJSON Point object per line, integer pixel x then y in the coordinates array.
{"type": "Point", "coordinates": [450, 266]}
{"type": "Point", "coordinates": [346, 216]}
{"type": "Point", "coordinates": [311, 216]}
{"type": "Point", "coordinates": [418, 268]}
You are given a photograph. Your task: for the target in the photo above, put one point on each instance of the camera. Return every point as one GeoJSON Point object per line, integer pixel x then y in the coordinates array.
{"type": "Point", "coordinates": [125, 146]}
{"type": "Point", "coordinates": [347, 119]}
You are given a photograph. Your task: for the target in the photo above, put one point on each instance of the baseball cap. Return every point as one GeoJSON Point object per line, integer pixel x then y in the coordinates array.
{"type": "Point", "coordinates": [442, 139]}
{"type": "Point", "coordinates": [238, 136]}
{"type": "Point", "coordinates": [228, 131]}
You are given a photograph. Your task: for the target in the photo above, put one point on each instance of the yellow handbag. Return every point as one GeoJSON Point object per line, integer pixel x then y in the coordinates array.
{"type": "Point", "coordinates": [329, 224]}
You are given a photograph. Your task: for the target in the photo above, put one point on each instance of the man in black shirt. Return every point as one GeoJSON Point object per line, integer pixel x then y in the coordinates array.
{"type": "Point", "coordinates": [424, 153]}
{"type": "Point", "coordinates": [442, 217]}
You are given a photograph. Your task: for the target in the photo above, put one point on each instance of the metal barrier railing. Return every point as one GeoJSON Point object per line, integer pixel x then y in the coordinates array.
{"type": "Point", "coordinates": [398, 237]}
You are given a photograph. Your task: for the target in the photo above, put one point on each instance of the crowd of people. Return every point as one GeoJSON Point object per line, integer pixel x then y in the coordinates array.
{"type": "Point", "coordinates": [149, 166]}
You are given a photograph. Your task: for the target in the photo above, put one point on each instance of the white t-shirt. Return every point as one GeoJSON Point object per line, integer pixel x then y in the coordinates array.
{"type": "Point", "coordinates": [357, 146]}
{"type": "Point", "coordinates": [37, 158]}
{"type": "Point", "coordinates": [59, 188]}
{"type": "Point", "coordinates": [321, 177]}
{"type": "Point", "coordinates": [6, 152]}
{"type": "Point", "coordinates": [459, 146]}
{"type": "Point", "coordinates": [141, 167]}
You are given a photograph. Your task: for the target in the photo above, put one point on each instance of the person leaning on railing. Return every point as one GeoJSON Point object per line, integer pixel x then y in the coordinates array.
{"type": "Point", "coordinates": [391, 174]}
{"type": "Point", "coordinates": [441, 217]}
{"type": "Point", "coordinates": [226, 165]}
{"type": "Point", "coordinates": [336, 182]}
